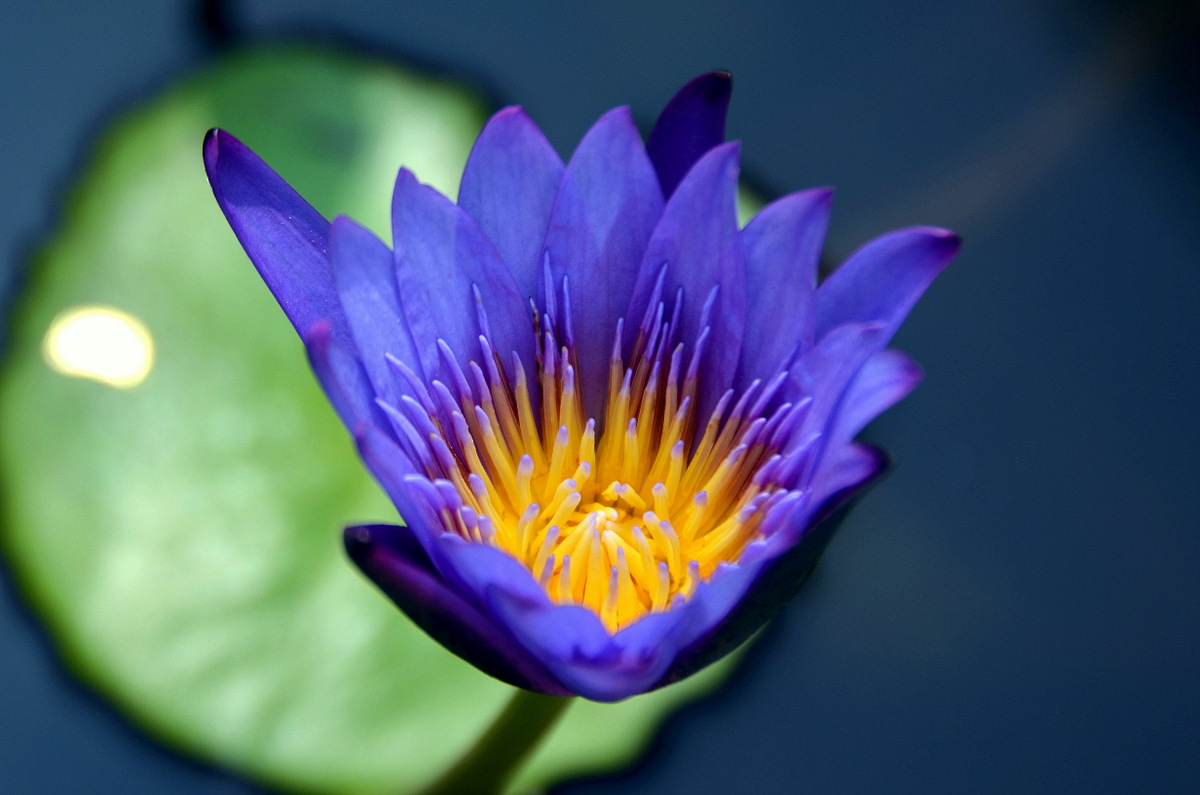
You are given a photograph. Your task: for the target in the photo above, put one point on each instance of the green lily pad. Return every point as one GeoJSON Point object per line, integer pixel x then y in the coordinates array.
{"type": "Point", "coordinates": [180, 535]}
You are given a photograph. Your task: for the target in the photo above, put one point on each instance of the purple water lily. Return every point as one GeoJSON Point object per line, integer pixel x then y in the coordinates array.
{"type": "Point", "coordinates": [614, 422]}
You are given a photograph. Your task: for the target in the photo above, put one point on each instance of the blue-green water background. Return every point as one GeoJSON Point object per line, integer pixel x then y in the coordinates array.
{"type": "Point", "coordinates": [1018, 607]}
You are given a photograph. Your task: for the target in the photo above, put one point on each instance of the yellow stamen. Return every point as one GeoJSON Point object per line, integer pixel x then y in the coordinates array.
{"type": "Point", "coordinates": [625, 523]}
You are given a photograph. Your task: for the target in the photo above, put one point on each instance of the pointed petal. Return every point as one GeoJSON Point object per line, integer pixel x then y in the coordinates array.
{"type": "Point", "coordinates": [844, 469]}
{"type": "Point", "coordinates": [365, 274]}
{"type": "Point", "coordinates": [692, 123]}
{"type": "Point", "coordinates": [823, 373]}
{"type": "Point", "coordinates": [508, 187]}
{"type": "Point", "coordinates": [572, 643]}
{"type": "Point", "coordinates": [782, 246]}
{"type": "Point", "coordinates": [393, 470]}
{"type": "Point", "coordinates": [283, 235]}
{"type": "Point", "coordinates": [440, 256]}
{"type": "Point", "coordinates": [697, 239]}
{"type": "Point", "coordinates": [393, 559]}
{"type": "Point", "coordinates": [569, 641]}
{"type": "Point", "coordinates": [776, 579]}
{"type": "Point", "coordinates": [561, 637]}
{"type": "Point", "coordinates": [713, 603]}
{"type": "Point", "coordinates": [606, 208]}
{"type": "Point", "coordinates": [478, 568]}
{"type": "Point", "coordinates": [885, 378]}
{"type": "Point", "coordinates": [343, 378]}
{"type": "Point", "coordinates": [882, 280]}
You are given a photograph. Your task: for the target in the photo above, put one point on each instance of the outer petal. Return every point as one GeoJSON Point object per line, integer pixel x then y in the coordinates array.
{"type": "Point", "coordinates": [882, 280]}
{"type": "Point", "coordinates": [392, 469]}
{"type": "Point", "coordinates": [342, 376]}
{"type": "Point", "coordinates": [508, 187]}
{"type": "Point", "coordinates": [575, 646]}
{"type": "Point", "coordinates": [782, 246]}
{"type": "Point", "coordinates": [479, 568]}
{"type": "Point", "coordinates": [824, 372]}
{"type": "Point", "coordinates": [395, 562]}
{"type": "Point", "coordinates": [697, 240]}
{"type": "Point", "coordinates": [364, 271]}
{"type": "Point", "coordinates": [692, 123]}
{"type": "Point", "coordinates": [885, 379]}
{"type": "Point", "coordinates": [845, 468]}
{"type": "Point", "coordinates": [606, 208]}
{"type": "Point", "coordinates": [709, 607]}
{"type": "Point", "coordinates": [400, 478]}
{"type": "Point", "coordinates": [283, 235]}
{"type": "Point", "coordinates": [441, 257]}
{"type": "Point", "coordinates": [775, 581]}
{"type": "Point", "coordinates": [569, 641]}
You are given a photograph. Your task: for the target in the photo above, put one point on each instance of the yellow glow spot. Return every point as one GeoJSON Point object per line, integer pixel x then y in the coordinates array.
{"type": "Point", "coordinates": [101, 343]}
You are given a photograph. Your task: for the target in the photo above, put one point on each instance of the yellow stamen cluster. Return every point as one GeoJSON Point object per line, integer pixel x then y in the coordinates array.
{"type": "Point", "coordinates": [625, 521]}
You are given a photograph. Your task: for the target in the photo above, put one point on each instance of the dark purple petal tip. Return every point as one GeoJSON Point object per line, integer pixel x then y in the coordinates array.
{"type": "Point", "coordinates": [285, 238]}
{"type": "Point", "coordinates": [692, 123]}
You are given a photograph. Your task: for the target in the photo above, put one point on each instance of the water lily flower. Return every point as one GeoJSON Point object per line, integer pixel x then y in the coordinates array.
{"type": "Point", "coordinates": [613, 422]}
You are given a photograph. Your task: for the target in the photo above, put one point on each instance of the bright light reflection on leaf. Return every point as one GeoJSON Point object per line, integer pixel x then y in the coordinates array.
{"type": "Point", "coordinates": [101, 343]}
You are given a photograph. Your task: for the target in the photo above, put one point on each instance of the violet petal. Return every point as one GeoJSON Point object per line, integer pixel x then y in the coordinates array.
{"type": "Point", "coordinates": [569, 641]}
{"type": "Point", "coordinates": [697, 239]}
{"type": "Point", "coordinates": [342, 376]}
{"type": "Point", "coordinates": [283, 235]}
{"type": "Point", "coordinates": [692, 123]}
{"type": "Point", "coordinates": [578, 650]}
{"type": "Point", "coordinates": [606, 208]}
{"type": "Point", "coordinates": [824, 372]}
{"type": "Point", "coordinates": [881, 281]}
{"type": "Point", "coordinates": [885, 379]}
{"type": "Point", "coordinates": [441, 254]}
{"type": "Point", "coordinates": [508, 187]}
{"type": "Point", "coordinates": [775, 585]}
{"type": "Point", "coordinates": [393, 559]}
{"type": "Point", "coordinates": [476, 568]}
{"type": "Point", "coordinates": [364, 272]}
{"type": "Point", "coordinates": [844, 468]}
{"type": "Point", "coordinates": [782, 246]}
{"type": "Point", "coordinates": [392, 468]}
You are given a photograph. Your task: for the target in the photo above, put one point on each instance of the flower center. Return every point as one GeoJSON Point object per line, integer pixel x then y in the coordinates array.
{"type": "Point", "coordinates": [627, 521]}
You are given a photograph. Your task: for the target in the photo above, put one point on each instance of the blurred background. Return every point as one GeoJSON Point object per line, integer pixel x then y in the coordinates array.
{"type": "Point", "coordinates": [1017, 608]}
